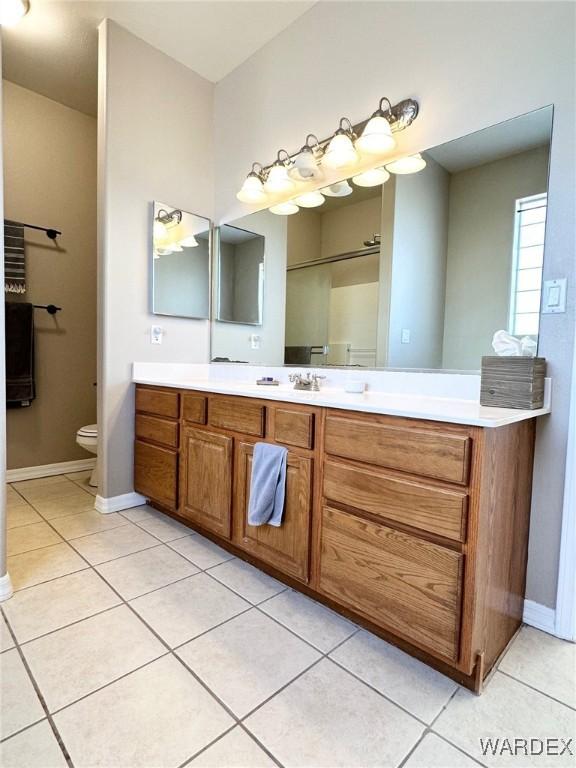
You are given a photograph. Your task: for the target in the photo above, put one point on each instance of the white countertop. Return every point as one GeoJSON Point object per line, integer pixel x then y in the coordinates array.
{"type": "Point", "coordinates": [417, 406]}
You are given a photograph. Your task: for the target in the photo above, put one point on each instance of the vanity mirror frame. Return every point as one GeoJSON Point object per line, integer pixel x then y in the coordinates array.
{"type": "Point", "coordinates": [347, 174]}
{"type": "Point", "coordinates": [152, 281]}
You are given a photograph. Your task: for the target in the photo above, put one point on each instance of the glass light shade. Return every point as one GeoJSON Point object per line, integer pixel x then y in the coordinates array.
{"type": "Point", "coordinates": [376, 138]}
{"type": "Point", "coordinates": [371, 178]}
{"type": "Point", "coordinates": [159, 230]}
{"type": "Point", "coordinates": [340, 189]}
{"type": "Point", "coordinates": [340, 152]}
{"type": "Point", "coordinates": [188, 242]}
{"type": "Point", "coordinates": [284, 209]}
{"type": "Point", "coordinates": [11, 11]}
{"type": "Point", "coordinates": [305, 167]}
{"type": "Point", "coordinates": [309, 200]}
{"type": "Point", "coordinates": [252, 190]}
{"type": "Point", "coordinates": [278, 180]}
{"type": "Point", "coordinates": [410, 164]}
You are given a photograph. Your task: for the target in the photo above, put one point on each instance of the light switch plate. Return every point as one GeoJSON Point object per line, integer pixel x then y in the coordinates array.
{"type": "Point", "coordinates": [156, 333]}
{"type": "Point", "coordinates": [554, 296]}
{"type": "Point", "coordinates": [405, 337]}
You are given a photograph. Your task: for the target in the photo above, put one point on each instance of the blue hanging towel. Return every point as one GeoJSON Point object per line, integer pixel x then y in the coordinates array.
{"type": "Point", "coordinates": [267, 485]}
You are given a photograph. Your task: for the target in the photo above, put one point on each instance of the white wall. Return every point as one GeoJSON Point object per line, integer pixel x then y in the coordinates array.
{"type": "Point", "coordinates": [470, 65]}
{"type": "Point", "coordinates": [155, 143]}
{"type": "Point", "coordinates": [419, 268]}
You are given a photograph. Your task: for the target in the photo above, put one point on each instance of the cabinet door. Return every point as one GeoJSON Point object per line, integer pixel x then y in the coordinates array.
{"type": "Point", "coordinates": [287, 547]}
{"type": "Point", "coordinates": [156, 474]}
{"type": "Point", "coordinates": [206, 480]}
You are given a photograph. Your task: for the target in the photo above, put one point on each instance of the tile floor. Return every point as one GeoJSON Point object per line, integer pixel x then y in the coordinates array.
{"type": "Point", "coordinates": [132, 642]}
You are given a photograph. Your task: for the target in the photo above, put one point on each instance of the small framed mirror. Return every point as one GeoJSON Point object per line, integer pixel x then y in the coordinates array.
{"type": "Point", "coordinates": [180, 263]}
{"type": "Point", "coordinates": [239, 276]}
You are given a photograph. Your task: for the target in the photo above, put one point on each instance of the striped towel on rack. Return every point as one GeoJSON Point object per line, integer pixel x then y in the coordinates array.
{"type": "Point", "coordinates": [14, 257]}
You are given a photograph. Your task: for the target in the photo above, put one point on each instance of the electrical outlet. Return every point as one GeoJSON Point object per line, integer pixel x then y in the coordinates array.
{"type": "Point", "coordinates": [254, 341]}
{"type": "Point", "coordinates": [405, 337]}
{"type": "Point", "coordinates": [156, 333]}
{"type": "Point", "coordinates": [554, 297]}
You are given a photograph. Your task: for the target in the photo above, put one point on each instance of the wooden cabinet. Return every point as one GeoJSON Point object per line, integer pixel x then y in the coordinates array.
{"type": "Point", "coordinates": [285, 547]}
{"type": "Point", "coordinates": [416, 529]}
{"type": "Point", "coordinates": [206, 480]}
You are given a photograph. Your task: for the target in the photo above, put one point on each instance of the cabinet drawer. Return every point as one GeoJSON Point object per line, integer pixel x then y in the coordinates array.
{"type": "Point", "coordinates": [156, 473]}
{"type": "Point", "coordinates": [238, 415]}
{"type": "Point", "coordinates": [293, 428]}
{"type": "Point", "coordinates": [158, 430]}
{"type": "Point", "coordinates": [429, 508]}
{"type": "Point", "coordinates": [440, 455]}
{"type": "Point", "coordinates": [408, 586]}
{"type": "Point", "coordinates": [157, 401]}
{"type": "Point", "coordinates": [194, 408]}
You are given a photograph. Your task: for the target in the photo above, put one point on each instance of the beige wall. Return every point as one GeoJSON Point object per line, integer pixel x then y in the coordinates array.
{"type": "Point", "coordinates": [462, 85]}
{"type": "Point", "coordinates": [480, 244]}
{"type": "Point", "coordinates": [50, 180]}
{"type": "Point", "coordinates": [345, 229]}
{"type": "Point", "coordinates": [155, 143]}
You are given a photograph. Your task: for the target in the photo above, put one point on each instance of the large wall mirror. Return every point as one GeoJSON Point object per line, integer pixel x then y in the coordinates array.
{"type": "Point", "coordinates": [180, 263]}
{"type": "Point", "coordinates": [239, 271]}
{"type": "Point", "coordinates": [418, 271]}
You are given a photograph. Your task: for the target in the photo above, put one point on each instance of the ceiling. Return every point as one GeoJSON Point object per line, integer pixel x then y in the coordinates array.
{"type": "Point", "coordinates": [54, 49]}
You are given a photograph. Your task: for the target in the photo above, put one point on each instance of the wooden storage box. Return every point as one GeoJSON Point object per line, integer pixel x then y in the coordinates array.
{"type": "Point", "coordinates": [513, 382]}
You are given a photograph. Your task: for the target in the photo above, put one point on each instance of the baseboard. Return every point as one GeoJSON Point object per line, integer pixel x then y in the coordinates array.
{"type": "Point", "coordinates": [540, 616]}
{"type": "Point", "coordinates": [46, 470]}
{"type": "Point", "coordinates": [117, 503]}
{"type": "Point", "coordinates": [6, 590]}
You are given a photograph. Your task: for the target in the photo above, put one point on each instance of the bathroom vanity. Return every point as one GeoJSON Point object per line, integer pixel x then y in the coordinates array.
{"type": "Point", "coordinates": [416, 528]}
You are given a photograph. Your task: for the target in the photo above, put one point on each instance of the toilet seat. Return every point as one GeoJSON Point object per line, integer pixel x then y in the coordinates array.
{"type": "Point", "coordinates": [90, 430]}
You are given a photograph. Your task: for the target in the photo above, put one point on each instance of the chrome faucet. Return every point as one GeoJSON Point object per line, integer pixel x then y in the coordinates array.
{"type": "Point", "coordinates": [308, 383]}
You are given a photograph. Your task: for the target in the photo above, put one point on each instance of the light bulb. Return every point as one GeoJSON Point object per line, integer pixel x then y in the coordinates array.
{"type": "Point", "coordinates": [278, 180]}
{"type": "Point", "coordinates": [305, 166]}
{"type": "Point", "coordinates": [340, 189]}
{"type": "Point", "coordinates": [376, 138]}
{"type": "Point", "coordinates": [371, 178]}
{"type": "Point", "coordinates": [11, 11]}
{"type": "Point", "coordinates": [284, 209]}
{"type": "Point", "coordinates": [410, 164]}
{"type": "Point", "coordinates": [340, 152]}
{"type": "Point", "coordinates": [188, 242]}
{"type": "Point", "coordinates": [309, 200]}
{"type": "Point", "coordinates": [252, 190]}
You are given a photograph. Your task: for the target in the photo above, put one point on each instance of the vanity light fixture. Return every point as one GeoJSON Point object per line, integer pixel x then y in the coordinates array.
{"type": "Point", "coordinates": [340, 151]}
{"type": "Point", "coordinates": [376, 138]}
{"type": "Point", "coordinates": [11, 11]}
{"type": "Point", "coordinates": [278, 180]}
{"type": "Point", "coordinates": [188, 242]}
{"type": "Point", "coordinates": [306, 163]}
{"type": "Point", "coordinates": [252, 190]}
{"type": "Point", "coordinates": [405, 165]}
{"type": "Point", "coordinates": [309, 199]}
{"type": "Point", "coordinates": [284, 209]}
{"type": "Point", "coordinates": [340, 189]}
{"type": "Point", "coordinates": [371, 178]}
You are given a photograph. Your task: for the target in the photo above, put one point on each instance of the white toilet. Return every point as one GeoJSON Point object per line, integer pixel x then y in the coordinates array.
{"type": "Point", "coordinates": [87, 438]}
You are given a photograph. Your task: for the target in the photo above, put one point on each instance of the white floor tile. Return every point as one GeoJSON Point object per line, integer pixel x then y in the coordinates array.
{"type": "Point", "coordinates": [184, 610]}
{"type": "Point", "coordinates": [506, 710]}
{"type": "Point", "coordinates": [6, 641]}
{"type": "Point", "coordinates": [35, 611]}
{"type": "Point", "coordinates": [142, 512]}
{"type": "Point", "coordinates": [81, 479]}
{"type": "Point", "coordinates": [49, 491]}
{"type": "Point", "coordinates": [434, 752]}
{"type": "Point", "coordinates": [234, 750]}
{"type": "Point", "coordinates": [145, 571]}
{"type": "Point", "coordinates": [247, 659]}
{"type": "Point", "coordinates": [85, 523]}
{"type": "Point", "coordinates": [201, 551]}
{"type": "Point", "coordinates": [21, 514]}
{"type": "Point", "coordinates": [328, 718]}
{"type": "Point", "coordinates": [38, 482]}
{"type": "Point", "coordinates": [396, 675]}
{"type": "Point", "coordinates": [19, 704]}
{"type": "Point", "coordinates": [157, 716]}
{"type": "Point", "coordinates": [309, 619]}
{"type": "Point", "coordinates": [36, 747]}
{"type": "Point", "coordinates": [30, 537]}
{"type": "Point", "coordinates": [108, 545]}
{"type": "Point", "coordinates": [250, 583]}
{"type": "Point", "coordinates": [40, 565]}
{"type": "Point", "coordinates": [64, 506]}
{"type": "Point", "coordinates": [78, 659]}
{"type": "Point", "coordinates": [544, 662]}
{"type": "Point", "coordinates": [164, 527]}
